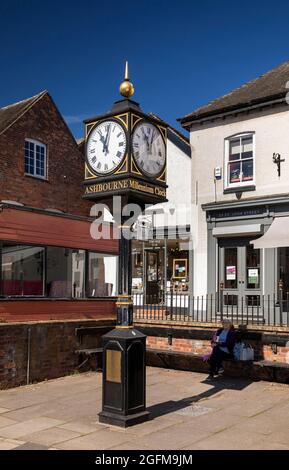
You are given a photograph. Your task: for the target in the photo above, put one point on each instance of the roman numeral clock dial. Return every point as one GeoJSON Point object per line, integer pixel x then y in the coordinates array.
{"type": "Point", "coordinates": [106, 147]}
{"type": "Point", "coordinates": [148, 149]}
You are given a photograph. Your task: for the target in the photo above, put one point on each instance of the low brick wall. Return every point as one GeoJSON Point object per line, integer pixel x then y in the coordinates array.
{"type": "Point", "coordinates": [50, 353]}
{"type": "Point", "coordinates": [262, 370]}
{"type": "Point", "coordinates": [270, 344]}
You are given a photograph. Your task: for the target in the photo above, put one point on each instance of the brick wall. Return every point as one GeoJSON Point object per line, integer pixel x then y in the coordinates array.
{"type": "Point", "coordinates": [268, 345]}
{"type": "Point", "coordinates": [63, 189]}
{"type": "Point", "coordinates": [52, 346]}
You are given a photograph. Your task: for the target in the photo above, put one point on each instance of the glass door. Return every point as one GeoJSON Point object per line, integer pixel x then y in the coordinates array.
{"type": "Point", "coordinates": [230, 274]}
{"type": "Point", "coordinates": [251, 287]}
{"type": "Point", "coordinates": [240, 276]}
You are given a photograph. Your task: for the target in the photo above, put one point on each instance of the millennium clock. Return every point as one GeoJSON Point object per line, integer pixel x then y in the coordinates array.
{"type": "Point", "coordinates": [106, 146]}
{"type": "Point", "coordinates": [125, 157]}
{"type": "Point", "coordinates": [149, 149]}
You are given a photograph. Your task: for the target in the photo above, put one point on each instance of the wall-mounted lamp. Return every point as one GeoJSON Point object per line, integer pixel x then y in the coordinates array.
{"type": "Point", "coordinates": [277, 160]}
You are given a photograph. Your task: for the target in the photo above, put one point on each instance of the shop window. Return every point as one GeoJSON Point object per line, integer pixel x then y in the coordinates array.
{"type": "Point", "coordinates": [35, 158]}
{"type": "Point", "coordinates": [177, 264]}
{"type": "Point", "coordinates": [22, 270]}
{"type": "Point", "coordinates": [230, 265]}
{"type": "Point", "coordinates": [102, 275]}
{"type": "Point", "coordinates": [239, 160]}
{"type": "Point", "coordinates": [65, 272]}
{"type": "Point", "coordinates": [137, 267]}
{"type": "Point", "coordinates": [253, 267]}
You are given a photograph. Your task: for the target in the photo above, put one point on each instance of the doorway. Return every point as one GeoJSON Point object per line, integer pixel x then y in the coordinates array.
{"type": "Point", "coordinates": [240, 272]}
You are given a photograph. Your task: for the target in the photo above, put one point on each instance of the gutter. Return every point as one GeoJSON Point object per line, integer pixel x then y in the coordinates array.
{"type": "Point", "coordinates": [227, 111]}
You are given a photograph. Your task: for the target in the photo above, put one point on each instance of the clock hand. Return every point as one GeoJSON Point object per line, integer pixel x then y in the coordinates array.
{"type": "Point", "coordinates": [151, 142]}
{"type": "Point", "coordinates": [107, 140]}
{"type": "Point", "coordinates": [147, 141]}
{"type": "Point", "coordinates": [102, 140]}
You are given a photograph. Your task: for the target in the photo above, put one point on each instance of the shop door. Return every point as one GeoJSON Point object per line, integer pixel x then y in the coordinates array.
{"type": "Point", "coordinates": [240, 274]}
{"type": "Point", "coordinates": [152, 276]}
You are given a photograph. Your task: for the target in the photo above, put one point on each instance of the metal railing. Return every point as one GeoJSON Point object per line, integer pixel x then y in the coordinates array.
{"type": "Point", "coordinates": [242, 310]}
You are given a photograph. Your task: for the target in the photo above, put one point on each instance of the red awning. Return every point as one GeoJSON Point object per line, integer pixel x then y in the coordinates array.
{"type": "Point", "coordinates": [38, 228]}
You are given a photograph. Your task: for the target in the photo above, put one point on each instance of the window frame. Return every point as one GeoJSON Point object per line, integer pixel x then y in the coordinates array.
{"type": "Point", "coordinates": [87, 266]}
{"type": "Point", "coordinates": [35, 175]}
{"type": "Point", "coordinates": [45, 296]}
{"type": "Point", "coordinates": [239, 184]}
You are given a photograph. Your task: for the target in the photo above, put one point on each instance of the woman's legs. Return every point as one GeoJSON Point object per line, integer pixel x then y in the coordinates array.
{"type": "Point", "coordinates": [216, 360]}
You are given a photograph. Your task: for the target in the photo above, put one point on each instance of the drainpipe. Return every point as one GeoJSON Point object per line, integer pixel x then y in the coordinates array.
{"type": "Point", "coordinates": [28, 355]}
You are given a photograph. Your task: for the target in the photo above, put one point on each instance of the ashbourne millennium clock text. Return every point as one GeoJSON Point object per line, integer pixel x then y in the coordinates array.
{"type": "Point", "coordinates": [125, 184]}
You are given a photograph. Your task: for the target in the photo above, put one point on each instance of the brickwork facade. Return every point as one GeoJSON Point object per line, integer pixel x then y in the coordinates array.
{"type": "Point", "coordinates": [44, 350]}
{"type": "Point", "coordinates": [62, 190]}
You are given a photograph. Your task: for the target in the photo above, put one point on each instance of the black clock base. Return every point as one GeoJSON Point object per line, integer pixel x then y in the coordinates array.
{"type": "Point", "coordinates": [123, 421]}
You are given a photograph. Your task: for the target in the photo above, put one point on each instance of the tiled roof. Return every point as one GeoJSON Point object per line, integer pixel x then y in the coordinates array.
{"type": "Point", "coordinates": [10, 114]}
{"type": "Point", "coordinates": [267, 87]}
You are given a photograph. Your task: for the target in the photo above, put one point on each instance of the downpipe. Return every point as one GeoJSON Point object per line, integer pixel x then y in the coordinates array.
{"type": "Point", "coordinates": [28, 356]}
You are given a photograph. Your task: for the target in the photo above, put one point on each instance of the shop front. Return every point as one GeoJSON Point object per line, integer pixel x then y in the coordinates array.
{"type": "Point", "coordinates": [51, 267]}
{"type": "Point", "coordinates": [248, 255]}
{"type": "Point", "coordinates": [160, 267]}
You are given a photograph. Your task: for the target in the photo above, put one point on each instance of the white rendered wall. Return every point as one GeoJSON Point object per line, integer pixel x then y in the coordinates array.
{"type": "Point", "coordinates": [177, 209]}
{"type": "Point", "coordinates": [207, 141]}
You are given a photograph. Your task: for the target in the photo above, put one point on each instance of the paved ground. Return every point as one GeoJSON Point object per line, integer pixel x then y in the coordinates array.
{"type": "Point", "coordinates": [188, 413]}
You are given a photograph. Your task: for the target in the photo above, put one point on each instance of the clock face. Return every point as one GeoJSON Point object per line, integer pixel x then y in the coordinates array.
{"type": "Point", "coordinates": [149, 149]}
{"type": "Point", "coordinates": [106, 146]}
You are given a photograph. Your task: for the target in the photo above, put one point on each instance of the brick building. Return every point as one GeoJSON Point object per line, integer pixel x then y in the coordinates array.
{"type": "Point", "coordinates": [51, 268]}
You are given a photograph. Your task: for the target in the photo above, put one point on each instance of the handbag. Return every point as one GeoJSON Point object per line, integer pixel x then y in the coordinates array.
{"type": "Point", "coordinates": [246, 352]}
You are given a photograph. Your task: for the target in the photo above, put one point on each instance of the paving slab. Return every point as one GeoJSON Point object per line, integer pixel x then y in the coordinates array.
{"type": "Point", "coordinates": [82, 427]}
{"type": "Point", "coordinates": [187, 412]}
{"type": "Point", "coordinates": [6, 421]}
{"type": "Point", "coordinates": [100, 440]}
{"type": "Point", "coordinates": [9, 444]}
{"type": "Point", "coordinates": [31, 446]}
{"type": "Point", "coordinates": [173, 437]}
{"type": "Point", "coordinates": [30, 426]}
{"type": "Point", "coordinates": [231, 440]}
{"type": "Point", "coordinates": [51, 436]}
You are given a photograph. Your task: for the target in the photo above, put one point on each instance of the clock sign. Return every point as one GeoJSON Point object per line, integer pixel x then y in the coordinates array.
{"type": "Point", "coordinates": [149, 149]}
{"type": "Point", "coordinates": [106, 147]}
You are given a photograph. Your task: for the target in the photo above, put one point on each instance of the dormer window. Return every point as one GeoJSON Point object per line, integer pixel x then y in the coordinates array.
{"type": "Point", "coordinates": [240, 160]}
{"type": "Point", "coordinates": [35, 158]}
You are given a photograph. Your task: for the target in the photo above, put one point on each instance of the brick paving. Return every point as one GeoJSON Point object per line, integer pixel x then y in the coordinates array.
{"type": "Point", "coordinates": [187, 411]}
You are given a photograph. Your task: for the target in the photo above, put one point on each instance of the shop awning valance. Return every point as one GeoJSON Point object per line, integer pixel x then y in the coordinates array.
{"type": "Point", "coordinates": [277, 235]}
{"type": "Point", "coordinates": [237, 230]}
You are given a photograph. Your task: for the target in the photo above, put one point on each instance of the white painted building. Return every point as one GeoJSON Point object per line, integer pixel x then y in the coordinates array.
{"type": "Point", "coordinates": [237, 193]}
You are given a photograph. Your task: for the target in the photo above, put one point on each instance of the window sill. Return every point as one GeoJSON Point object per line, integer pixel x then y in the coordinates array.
{"type": "Point", "coordinates": [239, 189]}
{"type": "Point", "coordinates": [39, 178]}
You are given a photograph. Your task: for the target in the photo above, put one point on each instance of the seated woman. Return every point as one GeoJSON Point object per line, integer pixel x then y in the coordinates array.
{"type": "Point", "coordinates": [223, 343]}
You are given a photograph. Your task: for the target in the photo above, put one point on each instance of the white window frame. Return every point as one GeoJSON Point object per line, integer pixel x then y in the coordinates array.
{"type": "Point", "coordinates": [227, 184]}
{"type": "Point", "coordinates": [35, 175]}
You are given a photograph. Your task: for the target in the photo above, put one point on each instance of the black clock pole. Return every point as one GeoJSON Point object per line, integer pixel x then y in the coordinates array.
{"type": "Point", "coordinates": [124, 381]}
{"type": "Point", "coordinates": [124, 302]}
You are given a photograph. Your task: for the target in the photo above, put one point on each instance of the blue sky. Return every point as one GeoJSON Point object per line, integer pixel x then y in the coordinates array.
{"type": "Point", "coordinates": [182, 53]}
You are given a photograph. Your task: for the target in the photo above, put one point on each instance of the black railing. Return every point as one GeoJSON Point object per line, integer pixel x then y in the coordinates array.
{"type": "Point", "coordinates": [241, 310]}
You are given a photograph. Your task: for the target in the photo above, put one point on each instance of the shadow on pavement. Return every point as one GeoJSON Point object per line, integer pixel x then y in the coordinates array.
{"type": "Point", "coordinates": [218, 384]}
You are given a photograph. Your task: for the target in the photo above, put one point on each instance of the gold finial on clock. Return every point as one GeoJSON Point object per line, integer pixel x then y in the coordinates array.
{"type": "Point", "coordinates": [126, 87]}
